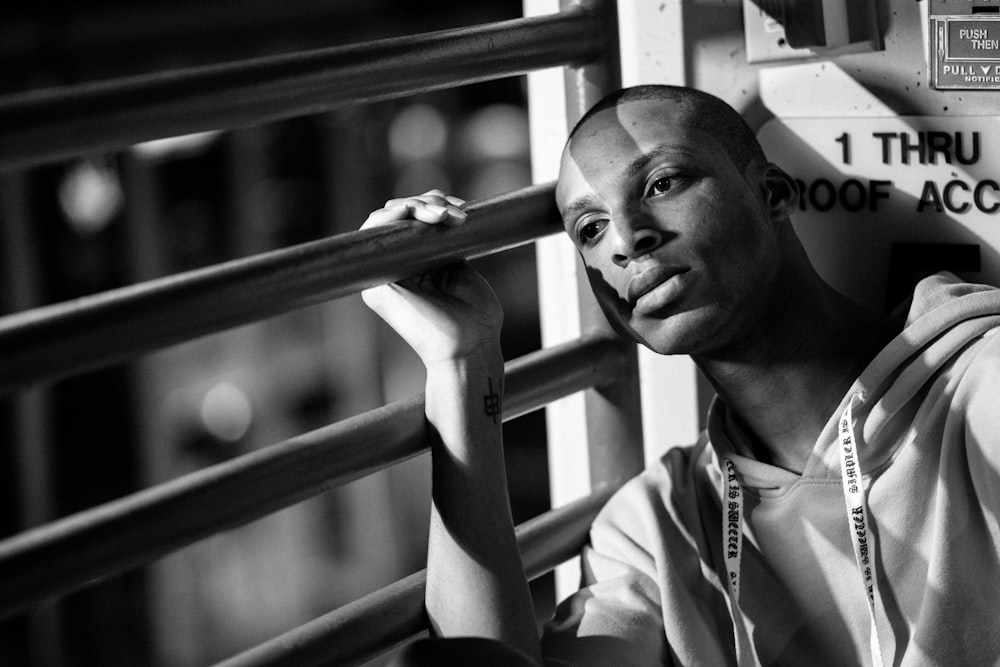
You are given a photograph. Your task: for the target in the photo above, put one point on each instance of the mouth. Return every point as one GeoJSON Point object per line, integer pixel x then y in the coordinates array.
{"type": "Point", "coordinates": [654, 288]}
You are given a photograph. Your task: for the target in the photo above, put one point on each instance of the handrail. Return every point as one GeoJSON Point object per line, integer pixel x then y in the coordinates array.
{"type": "Point", "coordinates": [381, 620]}
{"type": "Point", "coordinates": [68, 553]}
{"type": "Point", "coordinates": [46, 125]}
{"type": "Point", "coordinates": [119, 324]}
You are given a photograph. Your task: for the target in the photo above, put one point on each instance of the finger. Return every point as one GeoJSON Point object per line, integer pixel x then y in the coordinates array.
{"type": "Point", "coordinates": [432, 207]}
{"type": "Point", "coordinates": [442, 199]}
{"type": "Point", "coordinates": [432, 197]}
{"type": "Point", "coordinates": [457, 202]}
{"type": "Point", "coordinates": [429, 197]}
{"type": "Point", "coordinates": [440, 194]}
{"type": "Point", "coordinates": [429, 212]}
{"type": "Point", "coordinates": [435, 212]}
{"type": "Point", "coordinates": [386, 215]}
{"type": "Point", "coordinates": [453, 206]}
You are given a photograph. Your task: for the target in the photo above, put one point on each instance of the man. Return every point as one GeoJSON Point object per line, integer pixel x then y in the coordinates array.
{"type": "Point", "coordinates": [842, 506]}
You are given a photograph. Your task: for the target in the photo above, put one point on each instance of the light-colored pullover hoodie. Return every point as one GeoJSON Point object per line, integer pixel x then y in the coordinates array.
{"type": "Point", "coordinates": [925, 421]}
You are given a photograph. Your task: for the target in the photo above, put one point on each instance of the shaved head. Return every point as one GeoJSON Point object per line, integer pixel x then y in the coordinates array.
{"type": "Point", "coordinates": [700, 111]}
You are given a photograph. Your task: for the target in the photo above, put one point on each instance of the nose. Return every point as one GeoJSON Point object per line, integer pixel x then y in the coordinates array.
{"type": "Point", "coordinates": [633, 238]}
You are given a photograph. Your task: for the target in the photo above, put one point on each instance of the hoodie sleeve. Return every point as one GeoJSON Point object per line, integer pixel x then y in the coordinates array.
{"type": "Point", "coordinates": [982, 425]}
{"type": "Point", "coordinates": [649, 595]}
{"type": "Point", "coordinates": [615, 618]}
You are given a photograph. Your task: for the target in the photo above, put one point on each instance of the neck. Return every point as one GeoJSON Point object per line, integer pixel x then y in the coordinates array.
{"type": "Point", "coordinates": [784, 383]}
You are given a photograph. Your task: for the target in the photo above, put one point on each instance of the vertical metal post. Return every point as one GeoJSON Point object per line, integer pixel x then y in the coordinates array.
{"type": "Point", "coordinates": [613, 415]}
{"type": "Point", "coordinates": [148, 258]}
{"type": "Point", "coordinates": [594, 439]}
{"type": "Point", "coordinates": [32, 409]}
{"type": "Point", "coordinates": [652, 50]}
{"type": "Point", "coordinates": [247, 163]}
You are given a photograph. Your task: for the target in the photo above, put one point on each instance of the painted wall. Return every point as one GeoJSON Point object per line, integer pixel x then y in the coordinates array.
{"type": "Point", "coordinates": [898, 178]}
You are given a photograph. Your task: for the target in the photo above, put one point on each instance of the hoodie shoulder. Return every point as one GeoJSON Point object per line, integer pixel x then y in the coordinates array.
{"type": "Point", "coordinates": [942, 290]}
{"type": "Point", "coordinates": [946, 315]}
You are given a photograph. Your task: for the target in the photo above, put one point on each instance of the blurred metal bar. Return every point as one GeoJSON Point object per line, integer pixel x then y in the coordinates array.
{"type": "Point", "coordinates": [142, 29]}
{"type": "Point", "coordinates": [120, 324]}
{"type": "Point", "coordinates": [376, 623]}
{"type": "Point", "coordinates": [541, 377]}
{"type": "Point", "coordinates": [31, 448]}
{"type": "Point", "coordinates": [68, 553]}
{"type": "Point", "coordinates": [104, 41]}
{"type": "Point", "coordinates": [51, 124]}
{"type": "Point", "coordinates": [551, 538]}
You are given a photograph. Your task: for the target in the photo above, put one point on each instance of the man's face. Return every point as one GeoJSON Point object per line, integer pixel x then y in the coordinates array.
{"type": "Point", "coordinates": [678, 243]}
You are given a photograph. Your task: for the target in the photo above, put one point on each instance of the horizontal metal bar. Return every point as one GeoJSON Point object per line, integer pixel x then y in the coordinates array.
{"type": "Point", "coordinates": [56, 123]}
{"type": "Point", "coordinates": [67, 554]}
{"type": "Point", "coordinates": [71, 552]}
{"type": "Point", "coordinates": [538, 378]}
{"type": "Point", "coordinates": [388, 617]}
{"type": "Point", "coordinates": [112, 326]}
{"type": "Point", "coordinates": [102, 42]}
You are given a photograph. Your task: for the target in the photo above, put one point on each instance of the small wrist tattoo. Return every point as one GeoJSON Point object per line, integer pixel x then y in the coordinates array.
{"type": "Point", "coordinates": [491, 401]}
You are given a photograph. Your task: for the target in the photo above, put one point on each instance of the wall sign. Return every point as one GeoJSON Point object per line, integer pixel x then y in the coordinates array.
{"type": "Point", "coordinates": [965, 44]}
{"type": "Point", "coordinates": [867, 184]}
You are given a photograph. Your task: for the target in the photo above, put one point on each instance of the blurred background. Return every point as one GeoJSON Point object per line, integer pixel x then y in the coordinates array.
{"type": "Point", "coordinates": [103, 221]}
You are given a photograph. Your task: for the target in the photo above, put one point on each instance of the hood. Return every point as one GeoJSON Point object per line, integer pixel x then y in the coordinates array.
{"type": "Point", "coordinates": [945, 315]}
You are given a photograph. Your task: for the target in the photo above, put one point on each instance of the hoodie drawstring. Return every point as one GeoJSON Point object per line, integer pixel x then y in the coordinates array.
{"type": "Point", "coordinates": [858, 522]}
{"type": "Point", "coordinates": [858, 525]}
{"type": "Point", "coordinates": [732, 540]}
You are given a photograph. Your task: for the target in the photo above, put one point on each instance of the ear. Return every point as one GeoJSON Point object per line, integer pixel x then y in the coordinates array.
{"type": "Point", "coordinates": [781, 192]}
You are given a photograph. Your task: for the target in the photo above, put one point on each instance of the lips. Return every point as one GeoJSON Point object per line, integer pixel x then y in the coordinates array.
{"type": "Point", "coordinates": [655, 291]}
{"type": "Point", "coordinates": [648, 280]}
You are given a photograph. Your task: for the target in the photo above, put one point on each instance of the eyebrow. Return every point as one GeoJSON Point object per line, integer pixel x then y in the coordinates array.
{"type": "Point", "coordinates": [581, 204]}
{"type": "Point", "coordinates": [658, 152]}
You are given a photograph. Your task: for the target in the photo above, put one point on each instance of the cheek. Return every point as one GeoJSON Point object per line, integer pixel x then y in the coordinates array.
{"type": "Point", "coordinates": [614, 307]}
{"type": "Point", "coordinates": [606, 278]}
{"type": "Point", "coordinates": [738, 248]}
{"type": "Point", "coordinates": [600, 283]}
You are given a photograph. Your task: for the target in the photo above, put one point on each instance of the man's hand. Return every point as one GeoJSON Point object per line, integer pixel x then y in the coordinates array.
{"type": "Point", "coordinates": [444, 315]}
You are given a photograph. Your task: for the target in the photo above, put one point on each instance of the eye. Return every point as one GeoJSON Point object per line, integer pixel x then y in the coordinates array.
{"type": "Point", "coordinates": [659, 186]}
{"type": "Point", "coordinates": [590, 229]}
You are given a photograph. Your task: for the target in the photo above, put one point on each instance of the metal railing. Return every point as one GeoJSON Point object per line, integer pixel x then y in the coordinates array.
{"type": "Point", "coordinates": [66, 554]}
{"type": "Point", "coordinates": [120, 324]}
{"type": "Point", "coordinates": [50, 124]}
{"type": "Point", "coordinates": [388, 617]}
{"type": "Point", "coordinates": [67, 338]}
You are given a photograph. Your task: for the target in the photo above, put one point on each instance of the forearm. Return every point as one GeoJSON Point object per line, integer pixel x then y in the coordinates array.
{"type": "Point", "coordinates": [475, 581]}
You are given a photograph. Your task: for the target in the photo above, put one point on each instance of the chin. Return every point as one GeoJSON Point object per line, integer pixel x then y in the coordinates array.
{"type": "Point", "coordinates": [689, 332]}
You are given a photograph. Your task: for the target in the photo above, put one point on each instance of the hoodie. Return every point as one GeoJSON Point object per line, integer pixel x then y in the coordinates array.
{"type": "Point", "coordinates": [924, 422]}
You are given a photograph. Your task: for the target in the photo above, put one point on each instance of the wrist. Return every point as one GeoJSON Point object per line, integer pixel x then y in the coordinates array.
{"type": "Point", "coordinates": [466, 393]}
{"type": "Point", "coordinates": [484, 357]}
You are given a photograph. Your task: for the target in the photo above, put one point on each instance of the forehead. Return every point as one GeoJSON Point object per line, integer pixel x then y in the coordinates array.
{"type": "Point", "coordinates": [612, 142]}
